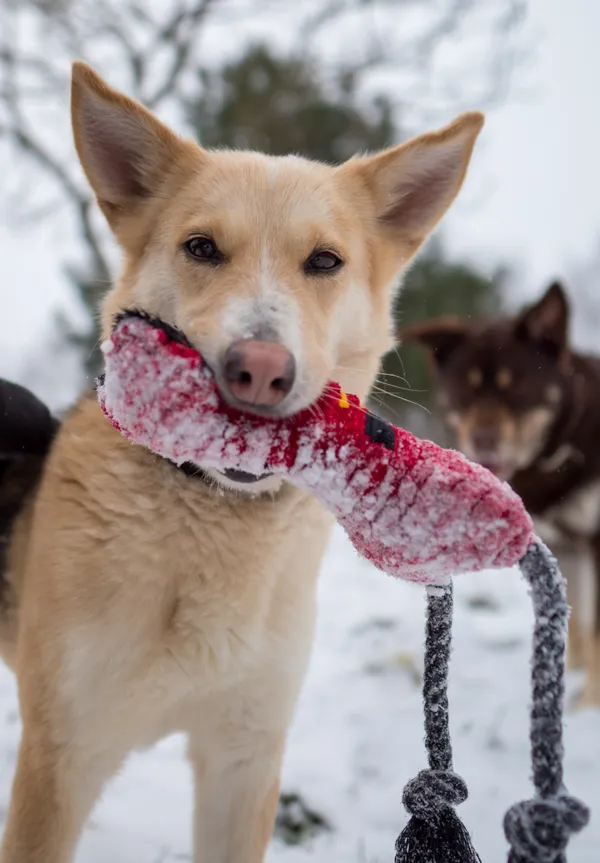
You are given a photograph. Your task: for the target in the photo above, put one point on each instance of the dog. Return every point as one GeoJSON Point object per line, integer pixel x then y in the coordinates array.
{"type": "Point", "coordinates": [142, 600]}
{"type": "Point", "coordinates": [518, 399]}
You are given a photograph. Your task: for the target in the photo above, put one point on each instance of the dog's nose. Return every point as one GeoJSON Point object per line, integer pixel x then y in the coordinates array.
{"type": "Point", "coordinates": [259, 373]}
{"type": "Point", "coordinates": [485, 438]}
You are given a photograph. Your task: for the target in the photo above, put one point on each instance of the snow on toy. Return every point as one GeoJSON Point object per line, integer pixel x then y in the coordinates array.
{"type": "Point", "coordinates": [415, 510]}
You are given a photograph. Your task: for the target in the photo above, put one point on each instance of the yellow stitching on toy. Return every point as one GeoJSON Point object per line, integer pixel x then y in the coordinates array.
{"type": "Point", "coordinates": [343, 402]}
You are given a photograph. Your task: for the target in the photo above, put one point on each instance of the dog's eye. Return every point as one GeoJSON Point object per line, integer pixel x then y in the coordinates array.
{"type": "Point", "coordinates": [323, 262]}
{"type": "Point", "coordinates": [203, 249]}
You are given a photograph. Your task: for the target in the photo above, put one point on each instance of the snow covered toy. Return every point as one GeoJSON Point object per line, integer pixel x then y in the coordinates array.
{"type": "Point", "coordinates": [414, 510]}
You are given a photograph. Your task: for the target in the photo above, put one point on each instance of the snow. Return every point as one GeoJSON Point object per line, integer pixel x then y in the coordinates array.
{"type": "Point", "coordinates": [357, 735]}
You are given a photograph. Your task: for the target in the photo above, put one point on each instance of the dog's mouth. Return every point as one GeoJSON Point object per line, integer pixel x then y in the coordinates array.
{"type": "Point", "coordinates": [239, 476]}
{"type": "Point", "coordinates": [243, 477]}
{"type": "Point", "coordinates": [287, 409]}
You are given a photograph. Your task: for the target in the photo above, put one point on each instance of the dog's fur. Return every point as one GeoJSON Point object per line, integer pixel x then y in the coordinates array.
{"type": "Point", "coordinates": [145, 601]}
{"type": "Point", "coordinates": [520, 400]}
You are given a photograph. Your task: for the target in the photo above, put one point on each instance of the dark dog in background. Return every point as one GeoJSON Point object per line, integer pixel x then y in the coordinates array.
{"type": "Point", "coordinates": [27, 429]}
{"type": "Point", "coordinates": [519, 400]}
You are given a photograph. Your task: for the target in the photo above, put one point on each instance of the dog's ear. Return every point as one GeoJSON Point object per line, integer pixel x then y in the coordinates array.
{"type": "Point", "coordinates": [125, 151]}
{"type": "Point", "coordinates": [440, 336]}
{"type": "Point", "coordinates": [546, 322]}
{"type": "Point", "coordinates": [412, 186]}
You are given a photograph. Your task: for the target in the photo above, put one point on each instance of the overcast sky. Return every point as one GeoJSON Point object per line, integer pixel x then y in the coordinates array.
{"type": "Point", "coordinates": [532, 196]}
{"type": "Point", "coordinates": [533, 193]}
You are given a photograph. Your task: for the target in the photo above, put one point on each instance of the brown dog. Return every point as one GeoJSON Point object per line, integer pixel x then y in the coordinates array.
{"type": "Point", "coordinates": [521, 402]}
{"type": "Point", "coordinates": [140, 600]}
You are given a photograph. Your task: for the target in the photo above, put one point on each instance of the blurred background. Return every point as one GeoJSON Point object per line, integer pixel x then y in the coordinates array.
{"type": "Point", "coordinates": [325, 79]}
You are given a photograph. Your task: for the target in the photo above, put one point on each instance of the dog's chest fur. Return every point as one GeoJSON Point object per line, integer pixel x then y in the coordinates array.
{"type": "Point", "coordinates": [169, 592]}
{"type": "Point", "coordinates": [561, 487]}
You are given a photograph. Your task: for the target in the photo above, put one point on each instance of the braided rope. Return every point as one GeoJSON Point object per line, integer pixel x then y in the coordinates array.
{"type": "Point", "coordinates": [435, 832]}
{"type": "Point", "coordinates": [539, 830]}
{"type": "Point", "coordinates": [438, 643]}
{"type": "Point", "coordinates": [439, 787]}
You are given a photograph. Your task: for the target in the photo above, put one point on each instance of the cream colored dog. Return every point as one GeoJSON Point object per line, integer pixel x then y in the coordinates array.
{"type": "Point", "coordinates": [142, 600]}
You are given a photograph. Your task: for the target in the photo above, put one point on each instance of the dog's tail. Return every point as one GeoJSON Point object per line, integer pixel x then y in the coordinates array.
{"type": "Point", "coordinates": [27, 429]}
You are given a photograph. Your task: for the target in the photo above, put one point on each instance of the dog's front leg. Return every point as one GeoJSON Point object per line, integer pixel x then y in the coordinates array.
{"type": "Point", "coordinates": [235, 800]}
{"type": "Point", "coordinates": [576, 564]}
{"type": "Point", "coordinates": [591, 692]}
{"type": "Point", "coordinates": [577, 568]}
{"type": "Point", "coordinates": [53, 792]}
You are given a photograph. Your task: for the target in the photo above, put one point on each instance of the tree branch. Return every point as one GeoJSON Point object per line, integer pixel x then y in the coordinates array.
{"type": "Point", "coordinates": [83, 205]}
{"type": "Point", "coordinates": [180, 32]}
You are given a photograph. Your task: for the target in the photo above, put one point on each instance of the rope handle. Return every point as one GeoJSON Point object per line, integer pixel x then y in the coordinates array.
{"type": "Point", "coordinates": [538, 830]}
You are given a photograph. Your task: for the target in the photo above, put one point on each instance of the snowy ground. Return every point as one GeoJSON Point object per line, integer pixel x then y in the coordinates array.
{"type": "Point", "coordinates": [357, 736]}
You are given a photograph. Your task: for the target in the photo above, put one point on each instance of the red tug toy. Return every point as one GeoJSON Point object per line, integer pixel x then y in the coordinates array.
{"type": "Point", "coordinates": [415, 510]}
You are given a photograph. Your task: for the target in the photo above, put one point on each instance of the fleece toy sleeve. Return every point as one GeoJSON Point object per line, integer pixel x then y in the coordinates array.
{"type": "Point", "coordinates": [413, 509]}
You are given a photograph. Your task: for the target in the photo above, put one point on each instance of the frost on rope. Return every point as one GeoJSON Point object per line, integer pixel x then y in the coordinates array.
{"type": "Point", "coordinates": [413, 509]}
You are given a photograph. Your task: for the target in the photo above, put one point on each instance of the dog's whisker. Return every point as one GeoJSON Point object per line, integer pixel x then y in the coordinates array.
{"type": "Point", "coordinates": [334, 398]}
{"type": "Point", "coordinates": [409, 402]}
{"type": "Point", "coordinates": [315, 410]}
{"type": "Point", "coordinates": [380, 374]}
{"type": "Point", "coordinates": [384, 379]}
{"type": "Point", "coordinates": [386, 387]}
{"type": "Point", "coordinates": [400, 360]}
{"type": "Point", "coordinates": [393, 376]}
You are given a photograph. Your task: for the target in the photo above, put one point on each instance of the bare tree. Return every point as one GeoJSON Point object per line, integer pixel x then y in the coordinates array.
{"type": "Point", "coordinates": [148, 54]}
{"type": "Point", "coordinates": [427, 55]}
